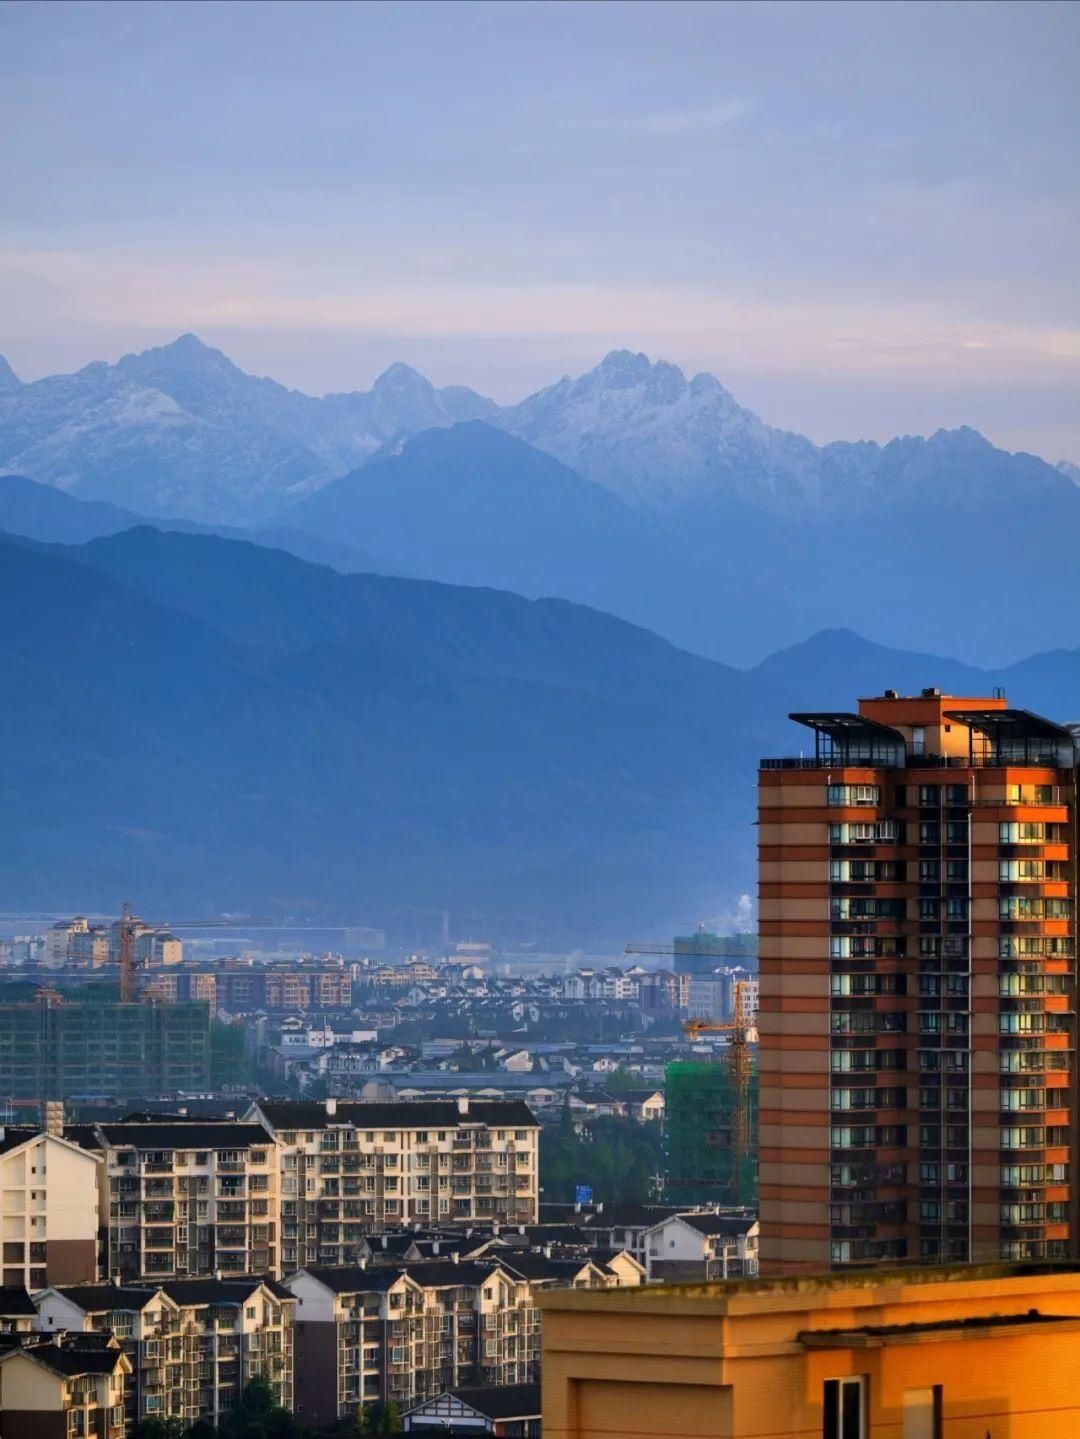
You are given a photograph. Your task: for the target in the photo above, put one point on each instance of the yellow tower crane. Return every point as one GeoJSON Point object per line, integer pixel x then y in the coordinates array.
{"type": "Point", "coordinates": [739, 1027]}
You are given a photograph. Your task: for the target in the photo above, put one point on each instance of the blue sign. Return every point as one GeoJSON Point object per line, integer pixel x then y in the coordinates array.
{"type": "Point", "coordinates": [583, 1194]}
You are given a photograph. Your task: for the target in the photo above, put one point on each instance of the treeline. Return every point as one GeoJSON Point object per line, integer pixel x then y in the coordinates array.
{"type": "Point", "coordinates": [258, 1416]}
{"type": "Point", "coordinates": [617, 1158]}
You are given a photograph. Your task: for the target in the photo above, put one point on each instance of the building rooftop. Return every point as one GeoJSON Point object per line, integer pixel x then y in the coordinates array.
{"type": "Point", "coordinates": [796, 1291]}
{"type": "Point", "coordinates": [505, 1402]}
{"type": "Point", "coordinates": [234, 1291]}
{"type": "Point", "coordinates": [15, 1301]}
{"type": "Point", "coordinates": [719, 1224]}
{"type": "Point", "coordinates": [186, 1135]}
{"type": "Point", "coordinates": [98, 1298]}
{"type": "Point", "coordinates": [873, 1336]}
{"type": "Point", "coordinates": [400, 1114]}
{"type": "Point", "coordinates": [71, 1360]}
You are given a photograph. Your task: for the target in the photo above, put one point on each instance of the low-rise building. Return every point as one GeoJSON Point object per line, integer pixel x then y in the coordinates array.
{"type": "Point", "coordinates": [964, 1351]}
{"type": "Point", "coordinates": [644, 1105]}
{"type": "Point", "coordinates": [703, 1246]}
{"type": "Point", "coordinates": [404, 1334]}
{"type": "Point", "coordinates": [58, 1390]}
{"type": "Point", "coordinates": [511, 1411]}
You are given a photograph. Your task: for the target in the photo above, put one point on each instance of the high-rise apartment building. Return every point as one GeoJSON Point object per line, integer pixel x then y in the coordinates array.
{"type": "Point", "coordinates": [917, 900]}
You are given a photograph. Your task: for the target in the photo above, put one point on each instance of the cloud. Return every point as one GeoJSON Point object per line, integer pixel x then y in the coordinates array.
{"type": "Point", "coordinates": [686, 122]}
{"type": "Point", "coordinates": [778, 335]}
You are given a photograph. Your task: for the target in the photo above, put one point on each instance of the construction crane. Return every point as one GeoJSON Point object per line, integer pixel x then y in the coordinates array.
{"type": "Point", "coordinates": [125, 947]}
{"type": "Point", "coordinates": [738, 1054]}
{"type": "Point", "coordinates": [739, 1027]}
{"type": "Point", "coordinates": [691, 951]}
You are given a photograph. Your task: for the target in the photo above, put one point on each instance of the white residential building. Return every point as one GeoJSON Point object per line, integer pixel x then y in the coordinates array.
{"type": "Point", "coordinates": [49, 1201]}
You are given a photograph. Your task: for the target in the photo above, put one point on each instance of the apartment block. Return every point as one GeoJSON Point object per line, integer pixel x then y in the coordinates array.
{"type": "Point", "coordinates": [180, 1199]}
{"type": "Point", "coordinates": [192, 1344]}
{"type": "Point", "coordinates": [50, 1217]}
{"type": "Point", "coordinates": [348, 1168]}
{"type": "Point", "coordinates": [407, 1334]}
{"type": "Point", "coordinates": [48, 1047]}
{"type": "Point", "coordinates": [242, 988]}
{"type": "Point", "coordinates": [918, 987]}
{"type": "Point", "coordinates": [61, 1390]}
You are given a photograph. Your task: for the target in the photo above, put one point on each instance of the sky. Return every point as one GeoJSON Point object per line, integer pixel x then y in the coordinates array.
{"type": "Point", "coordinates": [863, 218]}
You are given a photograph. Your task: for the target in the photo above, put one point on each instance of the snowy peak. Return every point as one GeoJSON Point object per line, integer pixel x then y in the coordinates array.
{"type": "Point", "coordinates": [186, 354]}
{"type": "Point", "coordinates": [9, 380]}
{"type": "Point", "coordinates": [179, 429]}
{"type": "Point", "coordinates": [402, 379]}
{"type": "Point", "coordinates": [663, 442]}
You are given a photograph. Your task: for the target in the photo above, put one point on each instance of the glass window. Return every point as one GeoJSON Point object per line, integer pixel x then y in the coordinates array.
{"type": "Point", "coordinates": [844, 1408]}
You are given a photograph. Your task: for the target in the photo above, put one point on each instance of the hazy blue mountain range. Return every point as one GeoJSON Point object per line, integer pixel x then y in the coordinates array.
{"type": "Point", "coordinates": [475, 505]}
{"type": "Point", "coordinates": [633, 488]}
{"type": "Point", "coordinates": [222, 725]}
{"type": "Point", "coordinates": [42, 512]}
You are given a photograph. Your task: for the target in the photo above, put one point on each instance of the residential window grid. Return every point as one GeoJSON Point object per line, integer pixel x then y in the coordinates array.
{"type": "Point", "coordinates": [188, 1211]}
{"type": "Point", "coordinates": [191, 1360]}
{"type": "Point", "coordinates": [338, 1183]}
{"type": "Point", "coordinates": [414, 1341]}
{"type": "Point", "coordinates": [944, 887]}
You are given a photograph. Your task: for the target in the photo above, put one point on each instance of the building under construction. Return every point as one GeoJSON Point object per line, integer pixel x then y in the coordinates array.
{"type": "Point", "coordinates": [707, 1163]}
{"type": "Point", "coordinates": [57, 1050]}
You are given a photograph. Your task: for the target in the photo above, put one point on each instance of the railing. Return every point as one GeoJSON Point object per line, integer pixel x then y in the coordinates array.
{"type": "Point", "coordinates": [916, 761]}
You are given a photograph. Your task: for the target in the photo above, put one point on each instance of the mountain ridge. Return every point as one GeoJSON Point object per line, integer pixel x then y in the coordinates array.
{"type": "Point", "coordinates": [639, 427]}
{"type": "Point", "coordinates": [280, 737]}
{"type": "Point", "coordinates": [729, 537]}
{"type": "Point", "coordinates": [179, 429]}
{"type": "Point", "coordinates": [336, 743]}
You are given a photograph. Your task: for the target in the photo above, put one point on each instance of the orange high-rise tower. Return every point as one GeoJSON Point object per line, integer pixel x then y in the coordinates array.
{"type": "Point", "coordinates": [917, 899]}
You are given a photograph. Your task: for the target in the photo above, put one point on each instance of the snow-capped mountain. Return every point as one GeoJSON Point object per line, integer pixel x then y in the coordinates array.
{"type": "Point", "coordinates": [686, 449]}
{"type": "Point", "coordinates": [181, 430]}
{"type": "Point", "coordinates": [661, 441]}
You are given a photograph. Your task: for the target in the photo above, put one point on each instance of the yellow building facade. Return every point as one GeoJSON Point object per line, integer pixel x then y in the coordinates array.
{"type": "Point", "coordinates": [984, 1352]}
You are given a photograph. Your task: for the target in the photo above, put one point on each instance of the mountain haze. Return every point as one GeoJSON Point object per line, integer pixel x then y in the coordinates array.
{"type": "Point", "coordinates": [42, 512]}
{"type": "Point", "coordinates": [279, 736]}
{"type": "Point", "coordinates": [474, 505]}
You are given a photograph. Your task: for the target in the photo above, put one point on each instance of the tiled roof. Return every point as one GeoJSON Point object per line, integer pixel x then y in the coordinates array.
{"type": "Point", "coordinates": [401, 1114]}
{"type": "Point", "coordinates": [187, 1135]}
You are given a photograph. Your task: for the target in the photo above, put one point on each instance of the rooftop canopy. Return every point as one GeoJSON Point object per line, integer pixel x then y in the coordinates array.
{"type": "Point", "coordinates": [1012, 734]}
{"type": "Point", "coordinates": [848, 738]}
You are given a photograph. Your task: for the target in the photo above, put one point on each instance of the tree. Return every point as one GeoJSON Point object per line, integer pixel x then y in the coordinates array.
{"type": "Point", "coordinates": [378, 1419]}
{"type": "Point", "coordinates": [616, 1158]}
{"type": "Point", "coordinates": [159, 1429]}
{"type": "Point", "coordinates": [259, 1416]}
